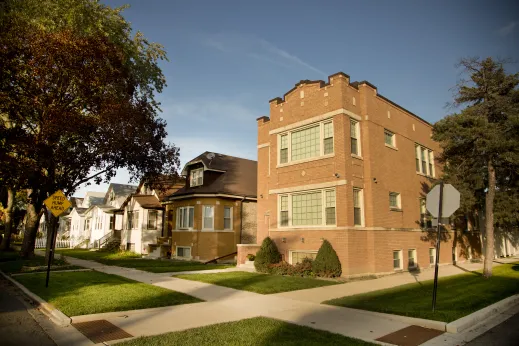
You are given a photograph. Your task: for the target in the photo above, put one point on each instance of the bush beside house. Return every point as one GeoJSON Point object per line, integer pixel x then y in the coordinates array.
{"type": "Point", "coordinates": [326, 263]}
{"type": "Point", "coordinates": [267, 255]}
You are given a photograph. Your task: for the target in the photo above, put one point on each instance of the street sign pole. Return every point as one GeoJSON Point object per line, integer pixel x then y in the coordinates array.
{"type": "Point", "coordinates": [51, 252]}
{"type": "Point", "coordinates": [437, 248]}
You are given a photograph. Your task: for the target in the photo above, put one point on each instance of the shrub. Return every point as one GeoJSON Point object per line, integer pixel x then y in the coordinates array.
{"type": "Point", "coordinates": [250, 257]}
{"type": "Point", "coordinates": [327, 264]}
{"type": "Point", "coordinates": [267, 254]}
{"type": "Point", "coordinates": [304, 268]}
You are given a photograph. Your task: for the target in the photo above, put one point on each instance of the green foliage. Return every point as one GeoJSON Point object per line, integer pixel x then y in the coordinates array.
{"type": "Point", "coordinates": [267, 254]}
{"type": "Point", "coordinates": [484, 132]}
{"type": "Point", "coordinates": [326, 263]}
{"type": "Point", "coordinates": [303, 269]}
{"type": "Point", "coordinates": [251, 257]}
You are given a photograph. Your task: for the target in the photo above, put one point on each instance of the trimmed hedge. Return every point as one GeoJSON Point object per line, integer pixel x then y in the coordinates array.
{"type": "Point", "coordinates": [268, 254]}
{"type": "Point", "coordinates": [326, 263]}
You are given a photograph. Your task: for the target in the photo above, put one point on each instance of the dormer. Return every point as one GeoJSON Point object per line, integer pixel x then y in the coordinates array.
{"type": "Point", "coordinates": [196, 177]}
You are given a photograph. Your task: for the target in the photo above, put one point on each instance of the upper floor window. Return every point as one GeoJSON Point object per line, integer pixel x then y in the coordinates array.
{"type": "Point", "coordinates": [197, 177]}
{"type": "Point", "coordinates": [314, 208]}
{"type": "Point", "coordinates": [301, 144]}
{"type": "Point", "coordinates": [389, 138]}
{"type": "Point", "coordinates": [354, 135]}
{"type": "Point", "coordinates": [394, 200]}
{"type": "Point", "coordinates": [424, 160]}
{"type": "Point", "coordinates": [425, 217]}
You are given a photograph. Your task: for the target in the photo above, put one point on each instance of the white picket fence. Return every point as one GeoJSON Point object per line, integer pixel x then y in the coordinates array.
{"type": "Point", "coordinates": [41, 243]}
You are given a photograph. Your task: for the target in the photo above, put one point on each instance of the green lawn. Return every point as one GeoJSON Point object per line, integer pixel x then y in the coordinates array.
{"type": "Point", "coordinates": [458, 295]}
{"type": "Point", "coordinates": [253, 331]}
{"type": "Point", "coordinates": [259, 283]}
{"type": "Point", "coordinates": [82, 293]}
{"type": "Point", "coordinates": [12, 263]}
{"type": "Point", "coordinates": [133, 260]}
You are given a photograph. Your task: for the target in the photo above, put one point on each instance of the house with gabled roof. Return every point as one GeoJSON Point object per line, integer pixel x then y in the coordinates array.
{"type": "Point", "coordinates": [215, 210]}
{"type": "Point", "coordinates": [142, 216]}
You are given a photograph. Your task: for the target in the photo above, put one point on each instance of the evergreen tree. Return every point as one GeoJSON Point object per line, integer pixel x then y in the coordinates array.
{"type": "Point", "coordinates": [481, 146]}
{"type": "Point", "coordinates": [268, 254]}
{"type": "Point", "coordinates": [327, 262]}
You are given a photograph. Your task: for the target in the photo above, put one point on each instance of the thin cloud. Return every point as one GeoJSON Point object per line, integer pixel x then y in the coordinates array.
{"type": "Point", "coordinates": [258, 49]}
{"type": "Point", "coordinates": [507, 29]}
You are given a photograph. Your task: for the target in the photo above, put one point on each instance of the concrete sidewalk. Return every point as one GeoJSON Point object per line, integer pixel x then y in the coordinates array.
{"type": "Point", "coordinates": [321, 294]}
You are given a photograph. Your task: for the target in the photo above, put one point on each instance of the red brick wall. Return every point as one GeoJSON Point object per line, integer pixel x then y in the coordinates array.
{"type": "Point", "coordinates": [244, 250]}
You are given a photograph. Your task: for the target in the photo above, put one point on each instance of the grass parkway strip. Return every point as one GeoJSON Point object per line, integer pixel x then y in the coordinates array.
{"type": "Point", "coordinates": [253, 331]}
{"type": "Point", "coordinates": [258, 283]}
{"type": "Point", "coordinates": [12, 263]}
{"type": "Point", "coordinates": [82, 293]}
{"type": "Point", "coordinates": [458, 295]}
{"type": "Point", "coordinates": [133, 260]}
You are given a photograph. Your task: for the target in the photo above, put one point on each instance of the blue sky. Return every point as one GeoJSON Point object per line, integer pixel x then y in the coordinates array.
{"type": "Point", "coordinates": [229, 58]}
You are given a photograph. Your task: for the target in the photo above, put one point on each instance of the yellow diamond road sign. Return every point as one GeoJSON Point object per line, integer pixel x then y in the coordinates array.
{"type": "Point", "coordinates": [57, 203]}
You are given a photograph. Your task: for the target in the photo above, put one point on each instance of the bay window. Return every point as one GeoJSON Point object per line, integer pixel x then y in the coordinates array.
{"type": "Point", "coordinates": [424, 160]}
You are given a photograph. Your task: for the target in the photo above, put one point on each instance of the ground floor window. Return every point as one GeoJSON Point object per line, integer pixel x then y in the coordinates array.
{"type": "Point", "coordinates": [432, 256]}
{"type": "Point", "coordinates": [411, 255]}
{"type": "Point", "coordinates": [184, 251]}
{"type": "Point", "coordinates": [299, 256]}
{"type": "Point", "coordinates": [397, 259]}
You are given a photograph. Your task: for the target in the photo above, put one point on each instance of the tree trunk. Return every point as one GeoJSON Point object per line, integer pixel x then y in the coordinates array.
{"type": "Point", "coordinates": [6, 241]}
{"type": "Point", "coordinates": [489, 220]}
{"type": "Point", "coordinates": [52, 233]}
{"type": "Point", "coordinates": [31, 225]}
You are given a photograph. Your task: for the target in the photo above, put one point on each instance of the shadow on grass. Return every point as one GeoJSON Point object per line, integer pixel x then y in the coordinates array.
{"type": "Point", "coordinates": [468, 271]}
{"type": "Point", "coordinates": [516, 267]}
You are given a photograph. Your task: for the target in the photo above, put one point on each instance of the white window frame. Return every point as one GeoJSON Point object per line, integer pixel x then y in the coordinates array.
{"type": "Point", "coordinates": [429, 156]}
{"type": "Point", "coordinates": [398, 201]}
{"type": "Point", "coordinates": [185, 209]}
{"type": "Point", "coordinates": [361, 201]}
{"type": "Point", "coordinates": [415, 259]}
{"type": "Point", "coordinates": [434, 256]}
{"type": "Point", "coordinates": [135, 224]}
{"type": "Point", "coordinates": [323, 208]}
{"type": "Point", "coordinates": [156, 212]}
{"type": "Point", "coordinates": [393, 138]}
{"type": "Point", "coordinates": [290, 252]}
{"type": "Point", "coordinates": [321, 143]}
{"type": "Point", "coordinates": [356, 123]}
{"type": "Point", "coordinates": [230, 216]}
{"type": "Point", "coordinates": [183, 247]}
{"type": "Point", "coordinates": [193, 179]}
{"type": "Point", "coordinates": [203, 218]}
{"type": "Point", "coordinates": [401, 260]}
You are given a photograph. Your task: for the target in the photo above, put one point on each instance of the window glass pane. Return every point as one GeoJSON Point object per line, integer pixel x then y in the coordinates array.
{"type": "Point", "coordinates": [330, 198]}
{"type": "Point", "coordinates": [284, 218]}
{"type": "Point", "coordinates": [396, 259]}
{"type": "Point", "coordinates": [330, 216]}
{"type": "Point", "coordinates": [284, 202]}
{"type": "Point", "coordinates": [357, 207]}
{"type": "Point", "coordinates": [328, 145]}
{"type": "Point", "coordinates": [208, 217]}
{"type": "Point", "coordinates": [299, 256]}
{"type": "Point", "coordinates": [388, 137]}
{"type": "Point", "coordinates": [424, 162]}
{"type": "Point", "coordinates": [430, 163]}
{"type": "Point", "coordinates": [432, 255]}
{"type": "Point", "coordinates": [305, 143]}
{"type": "Point", "coordinates": [283, 152]}
{"type": "Point", "coordinates": [307, 209]}
{"type": "Point", "coordinates": [135, 219]}
{"type": "Point", "coordinates": [411, 258]}
{"type": "Point", "coordinates": [191, 216]}
{"type": "Point", "coordinates": [152, 220]}
{"type": "Point", "coordinates": [328, 130]}
{"type": "Point", "coordinates": [393, 200]}
{"type": "Point", "coordinates": [353, 129]}
{"type": "Point", "coordinates": [227, 218]}
{"type": "Point", "coordinates": [354, 146]}
{"type": "Point", "coordinates": [284, 142]}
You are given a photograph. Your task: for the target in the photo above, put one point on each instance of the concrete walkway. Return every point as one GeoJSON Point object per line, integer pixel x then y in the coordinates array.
{"type": "Point", "coordinates": [224, 304]}
{"type": "Point", "coordinates": [321, 294]}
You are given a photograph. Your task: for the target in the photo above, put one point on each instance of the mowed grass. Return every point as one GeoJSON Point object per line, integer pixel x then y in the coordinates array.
{"type": "Point", "coordinates": [457, 296]}
{"type": "Point", "coordinates": [258, 283]}
{"type": "Point", "coordinates": [12, 263]}
{"type": "Point", "coordinates": [82, 293]}
{"type": "Point", "coordinates": [253, 331]}
{"type": "Point", "coordinates": [133, 260]}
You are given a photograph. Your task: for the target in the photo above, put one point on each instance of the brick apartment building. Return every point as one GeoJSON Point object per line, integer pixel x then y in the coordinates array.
{"type": "Point", "coordinates": [338, 161]}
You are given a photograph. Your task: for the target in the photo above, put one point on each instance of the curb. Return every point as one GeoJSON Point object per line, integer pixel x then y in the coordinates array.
{"type": "Point", "coordinates": [431, 324]}
{"type": "Point", "coordinates": [470, 320]}
{"type": "Point", "coordinates": [55, 315]}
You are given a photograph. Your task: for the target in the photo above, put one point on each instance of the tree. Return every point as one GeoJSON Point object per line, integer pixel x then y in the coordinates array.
{"type": "Point", "coordinates": [327, 263]}
{"type": "Point", "coordinates": [77, 91]}
{"type": "Point", "coordinates": [267, 254]}
{"type": "Point", "coordinates": [480, 143]}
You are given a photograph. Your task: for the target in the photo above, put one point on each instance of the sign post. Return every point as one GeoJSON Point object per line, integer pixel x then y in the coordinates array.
{"type": "Point", "coordinates": [442, 201]}
{"type": "Point", "coordinates": [57, 203]}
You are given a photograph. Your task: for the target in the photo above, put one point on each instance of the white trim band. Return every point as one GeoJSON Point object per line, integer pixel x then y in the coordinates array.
{"type": "Point", "coordinates": [308, 187]}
